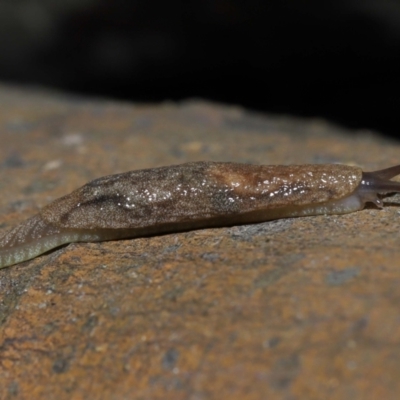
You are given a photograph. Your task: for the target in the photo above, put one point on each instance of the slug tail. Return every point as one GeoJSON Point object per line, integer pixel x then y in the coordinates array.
{"type": "Point", "coordinates": [36, 236]}
{"type": "Point", "coordinates": [27, 240]}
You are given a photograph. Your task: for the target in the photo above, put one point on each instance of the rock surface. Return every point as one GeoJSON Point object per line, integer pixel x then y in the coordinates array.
{"type": "Point", "coordinates": [304, 308]}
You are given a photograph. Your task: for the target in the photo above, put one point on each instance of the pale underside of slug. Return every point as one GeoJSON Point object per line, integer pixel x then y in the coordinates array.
{"type": "Point", "coordinates": [191, 196]}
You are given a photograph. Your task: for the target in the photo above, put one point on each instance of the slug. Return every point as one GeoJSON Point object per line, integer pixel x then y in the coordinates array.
{"type": "Point", "coordinates": [191, 196]}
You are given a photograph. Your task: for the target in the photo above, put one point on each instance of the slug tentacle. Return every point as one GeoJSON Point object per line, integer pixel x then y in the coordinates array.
{"type": "Point", "coordinates": [387, 173]}
{"type": "Point", "coordinates": [193, 196]}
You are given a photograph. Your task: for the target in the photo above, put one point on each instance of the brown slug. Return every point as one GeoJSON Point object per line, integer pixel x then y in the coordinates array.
{"type": "Point", "coordinates": [191, 196]}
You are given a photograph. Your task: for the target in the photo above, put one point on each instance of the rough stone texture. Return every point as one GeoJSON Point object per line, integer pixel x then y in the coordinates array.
{"type": "Point", "coordinates": [303, 308]}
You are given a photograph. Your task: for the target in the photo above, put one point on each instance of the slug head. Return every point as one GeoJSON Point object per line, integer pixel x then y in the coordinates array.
{"type": "Point", "coordinates": [378, 182]}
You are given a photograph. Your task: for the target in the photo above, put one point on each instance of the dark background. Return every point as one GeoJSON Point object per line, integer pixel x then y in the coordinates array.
{"type": "Point", "coordinates": [333, 59]}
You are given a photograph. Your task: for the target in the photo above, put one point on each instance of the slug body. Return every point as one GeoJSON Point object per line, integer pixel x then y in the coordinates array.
{"type": "Point", "coordinates": [191, 196]}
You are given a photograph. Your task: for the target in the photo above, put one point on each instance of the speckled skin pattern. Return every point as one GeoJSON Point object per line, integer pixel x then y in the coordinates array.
{"type": "Point", "coordinates": [197, 191]}
{"type": "Point", "coordinates": [188, 196]}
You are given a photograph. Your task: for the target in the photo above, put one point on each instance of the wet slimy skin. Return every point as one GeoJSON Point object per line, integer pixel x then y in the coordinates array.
{"type": "Point", "coordinates": [192, 196]}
